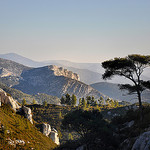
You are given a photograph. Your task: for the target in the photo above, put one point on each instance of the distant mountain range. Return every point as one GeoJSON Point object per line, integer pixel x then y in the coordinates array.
{"type": "Point", "coordinates": [112, 90]}
{"type": "Point", "coordinates": [89, 72]}
{"type": "Point", "coordinates": [51, 80]}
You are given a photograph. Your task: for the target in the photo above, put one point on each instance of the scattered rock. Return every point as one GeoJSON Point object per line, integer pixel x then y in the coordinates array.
{"type": "Point", "coordinates": [46, 129]}
{"type": "Point", "coordinates": [4, 98]}
{"type": "Point", "coordinates": [143, 142]}
{"type": "Point", "coordinates": [54, 136]}
{"type": "Point", "coordinates": [129, 124]}
{"type": "Point", "coordinates": [28, 114]}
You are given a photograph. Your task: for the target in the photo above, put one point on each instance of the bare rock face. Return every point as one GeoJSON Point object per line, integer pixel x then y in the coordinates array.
{"type": "Point", "coordinates": [46, 129]}
{"type": "Point", "coordinates": [28, 113]}
{"type": "Point", "coordinates": [4, 98]}
{"type": "Point", "coordinates": [54, 136]}
{"type": "Point", "coordinates": [60, 71]}
{"type": "Point", "coordinates": [143, 142]}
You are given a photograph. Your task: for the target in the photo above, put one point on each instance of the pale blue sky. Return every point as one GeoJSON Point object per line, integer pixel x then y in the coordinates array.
{"type": "Point", "coordinates": [75, 30]}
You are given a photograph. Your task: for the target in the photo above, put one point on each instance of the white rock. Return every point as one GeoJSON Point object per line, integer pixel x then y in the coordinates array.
{"type": "Point", "coordinates": [143, 142]}
{"type": "Point", "coordinates": [8, 100]}
{"type": "Point", "coordinates": [54, 137]}
{"type": "Point", "coordinates": [28, 113]}
{"type": "Point", "coordinates": [46, 129]}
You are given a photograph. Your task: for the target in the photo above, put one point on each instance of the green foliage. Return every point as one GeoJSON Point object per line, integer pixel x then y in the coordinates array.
{"type": "Point", "coordinates": [73, 100]}
{"type": "Point", "coordinates": [19, 95]}
{"type": "Point", "coordinates": [62, 100]}
{"type": "Point", "coordinates": [101, 100]}
{"type": "Point", "coordinates": [68, 99]}
{"type": "Point", "coordinates": [16, 126]}
{"type": "Point", "coordinates": [130, 67]}
{"type": "Point", "coordinates": [34, 101]}
{"type": "Point", "coordinates": [70, 137]}
{"type": "Point", "coordinates": [83, 103]}
{"type": "Point", "coordinates": [90, 125]}
{"type": "Point", "coordinates": [45, 103]}
{"type": "Point", "coordinates": [24, 102]}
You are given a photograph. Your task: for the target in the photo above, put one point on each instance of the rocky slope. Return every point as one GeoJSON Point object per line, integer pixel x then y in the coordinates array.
{"type": "Point", "coordinates": [11, 68]}
{"type": "Point", "coordinates": [51, 80]}
{"type": "Point", "coordinates": [44, 80]}
{"type": "Point", "coordinates": [39, 98]}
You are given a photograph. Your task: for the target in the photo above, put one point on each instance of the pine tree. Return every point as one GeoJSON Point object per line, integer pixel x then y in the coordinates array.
{"type": "Point", "coordinates": [45, 103]}
{"type": "Point", "coordinates": [62, 100]}
{"type": "Point", "coordinates": [68, 99]}
{"type": "Point", "coordinates": [33, 102]}
{"type": "Point", "coordinates": [83, 103]}
{"type": "Point", "coordinates": [73, 100]}
{"type": "Point", "coordinates": [24, 102]}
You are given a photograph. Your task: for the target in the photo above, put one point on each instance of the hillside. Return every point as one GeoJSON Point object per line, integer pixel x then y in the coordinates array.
{"type": "Point", "coordinates": [43, 80]}
{"type": "Point", "coordinates": [87, 74]}
{"type": "Point", "coordinates": [21, 60]}
{"type": "Point", "coordinates": [113, 91]}
{"type": "Point", "coordinates": [20, 133]}
{"type": "Point", "coordinates": [11, 68]}
{"type": "Point", "coordinates": [39, 98]}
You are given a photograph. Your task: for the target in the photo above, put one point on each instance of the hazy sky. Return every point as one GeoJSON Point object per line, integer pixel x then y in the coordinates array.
{"type": "Point", "coordinates": [75, 30]}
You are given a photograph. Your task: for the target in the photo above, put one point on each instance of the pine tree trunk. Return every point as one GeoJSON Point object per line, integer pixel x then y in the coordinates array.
{"type": "Point", "coordinates": [140, 105]}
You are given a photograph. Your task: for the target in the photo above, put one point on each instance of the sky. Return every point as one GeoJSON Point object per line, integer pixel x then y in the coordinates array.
{"type": "Point", "coordinates": [75, 30]}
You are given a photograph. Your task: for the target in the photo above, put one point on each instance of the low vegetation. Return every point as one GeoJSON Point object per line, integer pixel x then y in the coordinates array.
{"type": "Point", "coordinates": [15, 127]}
{"type": "Point", "coordinates": [39, 98]}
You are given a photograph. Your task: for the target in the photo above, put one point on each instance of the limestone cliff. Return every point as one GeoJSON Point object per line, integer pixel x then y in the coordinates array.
{"type": "Point", "coordinates": [60, 71]}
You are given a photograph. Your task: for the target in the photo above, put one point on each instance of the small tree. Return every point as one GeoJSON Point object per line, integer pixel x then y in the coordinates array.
{"type": "Point", "coordinates": [24, 102]}
{"type": "Point", "coordinates": [68, 99]}
{"type": "Point", "coordinates": [80, 102]}
{"type": "Point", "coordinates": [101, 100]}
{"type": "Point", "coordinates": [73, 100]}
{"type": "Point", "coordinates": [45, 103]}
{"type": "Point", "coordinates": [62, 100]}
{"type": "Point", "coordinates": [130, 67]}
{"type": "Point", "coordinates": [84, 103]}
{"type": "Point", "coordinates": [33, 102]}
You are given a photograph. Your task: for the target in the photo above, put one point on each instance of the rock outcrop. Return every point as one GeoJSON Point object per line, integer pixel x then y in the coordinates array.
{"type": "Point", "coordinates": [27, 113]}
{"type": "Point", "coordinates": [43, 80]}
{"type": "Point", "coordinates": [60, 71]}
{"type": "Point", "coordinates": [143, 142]}
{"type": "Point", "coordinates": [4, 98]}
{"type": "Point", "coordinates": [46, 129]}
{"type": "Point", "coordinates": [54, 136]}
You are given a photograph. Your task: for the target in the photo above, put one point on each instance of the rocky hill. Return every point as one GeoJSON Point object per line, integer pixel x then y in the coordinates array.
{"type": "Point", "coordinates": [39, 98]}
{"type": "Point", "coordinates": [44, 80]}
{"type": "Point", "coordinates": [16, 127]}
{"type": "Point", "coordinates": [51, 80]}
{"type": "Point", "coordinates": [11, 68]}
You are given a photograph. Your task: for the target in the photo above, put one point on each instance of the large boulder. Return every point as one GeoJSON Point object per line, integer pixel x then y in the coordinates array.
{"type": "Point", "coordinates": [6, 99]}
{"type": "Point", "coordinates": [27, 113]}
{"type": "Point", "coordinates": [46, 129]}
{"type": "Point", "coordinates": [143, 142]}
{"type": "Point", "coordinates": [54, 136]}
